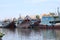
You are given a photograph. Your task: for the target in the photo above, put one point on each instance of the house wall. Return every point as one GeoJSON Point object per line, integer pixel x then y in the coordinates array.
{"type": "Point", "coordinates": [45, 20]}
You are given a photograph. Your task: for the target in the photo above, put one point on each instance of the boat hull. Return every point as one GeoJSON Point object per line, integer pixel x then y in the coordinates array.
{"type": "Point", "coordinates": [46, 26]}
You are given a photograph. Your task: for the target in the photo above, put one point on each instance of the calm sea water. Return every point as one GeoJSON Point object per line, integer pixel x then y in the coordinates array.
{"type": "Point", "coordinates": [30, 34]}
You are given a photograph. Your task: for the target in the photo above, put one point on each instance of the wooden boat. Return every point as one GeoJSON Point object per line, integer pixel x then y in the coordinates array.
{"type": "Point", "coordinates": [4, 24]}
{"type": "Point", "coordinates": [46, 26]}
{"type": "Point", "coordinates": [24, 24]}
{"type": "Point", "coordinates": [11, 25]}
{"type": "Point", "coordinates": [41, 26]}
{"type": "Point", "coordinates": [8, 24]}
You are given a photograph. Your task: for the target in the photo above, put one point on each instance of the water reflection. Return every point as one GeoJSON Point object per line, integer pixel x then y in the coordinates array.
{"type": "Point", "coordinates": [27, 34]}
{"type": "Point", "coordinates": [24, 32]}
{"type": "Point", "coordinates": [0, 38]}
{"type": "Point", "coordinates": [49, 34]}
{"type": "Point", "coordinates": [9, 34]}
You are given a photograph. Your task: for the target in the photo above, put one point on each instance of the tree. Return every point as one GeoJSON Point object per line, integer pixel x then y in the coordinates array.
{"type": "Point", "coordinates": [37, 16]}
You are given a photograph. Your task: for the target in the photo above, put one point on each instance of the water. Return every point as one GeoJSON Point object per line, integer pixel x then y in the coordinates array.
{"type": "Point", "coordinates": [29, 34]}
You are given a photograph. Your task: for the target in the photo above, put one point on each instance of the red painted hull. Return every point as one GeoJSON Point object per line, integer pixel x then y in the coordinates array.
{"type": "Point", "coordinates": [45, 26]}
{"type": "Point", "coordinates": [49, 27]}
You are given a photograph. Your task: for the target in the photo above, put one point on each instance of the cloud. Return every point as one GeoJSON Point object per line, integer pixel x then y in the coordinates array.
{"type": "Point", "coordinates": [34, 1]}
{"type": "Point", "coordinates": [7, 5]}
{"type": "Point", "coordinates": [38, 1]}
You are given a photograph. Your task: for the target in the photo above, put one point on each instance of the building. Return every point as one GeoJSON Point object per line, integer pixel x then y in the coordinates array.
{"type": "Point", "coordinates": [46, 19]}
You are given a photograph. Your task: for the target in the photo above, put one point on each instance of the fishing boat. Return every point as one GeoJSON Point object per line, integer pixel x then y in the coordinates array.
{"type": "Point", "coordinates": [35, 23]}
{"type": "Point", "coordinates": [24, 23]}
{"type": "Point", "coordinates": [4, 24]}
{"type": "Point", "coordinates": [7, 24]}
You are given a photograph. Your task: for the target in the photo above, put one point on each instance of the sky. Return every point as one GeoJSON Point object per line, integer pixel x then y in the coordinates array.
{"type": "Point", "coordinates": [14, 8]}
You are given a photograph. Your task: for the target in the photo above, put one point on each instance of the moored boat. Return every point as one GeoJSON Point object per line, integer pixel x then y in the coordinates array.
{"type": "Point", "coordinates": [24, 23]}
{"type": "Point", "coordinates": [4, 24]}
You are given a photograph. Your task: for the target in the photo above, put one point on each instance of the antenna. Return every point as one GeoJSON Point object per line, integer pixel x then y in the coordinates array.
{"type": "Point", "coordinates": [19, 16]}
{"type": "Point", "coordinates": [58, 10]}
